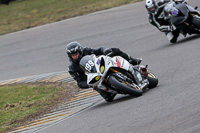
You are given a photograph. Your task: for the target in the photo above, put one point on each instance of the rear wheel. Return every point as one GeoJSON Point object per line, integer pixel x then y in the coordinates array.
{"type": "Point", "coordinates": [125, 87]}
{"type": "Point", "coordinates": [153, 80]}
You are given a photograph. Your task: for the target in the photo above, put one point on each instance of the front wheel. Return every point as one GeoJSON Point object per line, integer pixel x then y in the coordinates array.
{"type": "Point", "coordinates": [196, 21]}
{"type": "Point", "coordinates": [125, 87]}
{"type": "Point", "coordinates": [153, 80]}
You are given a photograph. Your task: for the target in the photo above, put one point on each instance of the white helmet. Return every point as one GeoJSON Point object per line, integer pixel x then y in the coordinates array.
{"type": "Point", "coordinates": [151, 6]}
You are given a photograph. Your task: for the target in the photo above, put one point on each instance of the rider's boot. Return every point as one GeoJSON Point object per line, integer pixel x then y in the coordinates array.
{"type": "Point", "coordinates": [106, 95]}
{"type": "Point", "coordinates": [173, 36]}
{"type": "Point", "coordinates": [110, 97]}
{"type": "Point", "coordinates": [176, 35]}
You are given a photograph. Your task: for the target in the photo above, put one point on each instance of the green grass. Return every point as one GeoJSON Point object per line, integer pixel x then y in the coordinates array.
{"type": "Point", "coordinates": [23, 14]}
{"type": "Point", "coordinates": [18, 102]}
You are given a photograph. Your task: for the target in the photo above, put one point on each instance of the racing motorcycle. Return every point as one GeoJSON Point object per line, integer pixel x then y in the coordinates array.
{"type": "Point", "coordinates": [183, 17]}
{"type": "Point", "coordinates": [116, 75]}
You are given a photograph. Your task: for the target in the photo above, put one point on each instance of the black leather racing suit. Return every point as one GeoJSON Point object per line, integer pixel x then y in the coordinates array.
{"type": "Point", "coordinates": [158, 20]}
{"type": "Point", "coordinates": [78, 74]}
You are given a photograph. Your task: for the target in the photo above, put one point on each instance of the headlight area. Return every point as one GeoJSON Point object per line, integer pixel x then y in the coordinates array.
{"type": "Point", "coordinates": [95, 79]}
{"type": "Point", "coordinates": [102, 66]}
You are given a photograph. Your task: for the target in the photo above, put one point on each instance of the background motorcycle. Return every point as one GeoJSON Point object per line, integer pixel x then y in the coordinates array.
{"type": "Point", "coordinates": [112, 75]}
{"type": "Point", "coordinates": [183, 17]}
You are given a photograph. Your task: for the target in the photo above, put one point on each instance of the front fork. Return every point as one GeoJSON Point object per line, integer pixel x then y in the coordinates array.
{"type": "Point", "coordinates": [140, 75]}
{"type": "Point", "coordinates": [136, 74]}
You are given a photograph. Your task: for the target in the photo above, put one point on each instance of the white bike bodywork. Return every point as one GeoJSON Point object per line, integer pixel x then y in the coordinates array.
{"type": "Point", "coordinates": [96, 69]}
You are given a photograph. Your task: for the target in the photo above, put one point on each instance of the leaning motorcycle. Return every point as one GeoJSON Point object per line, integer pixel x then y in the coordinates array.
{"type": "Point", "coordinates": [112, 74]}
{"type": "Point", "coordinates": [183, 17]}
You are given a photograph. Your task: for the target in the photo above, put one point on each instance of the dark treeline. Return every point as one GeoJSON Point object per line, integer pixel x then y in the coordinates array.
{"type": "Point", "coordinates": [5, 1]}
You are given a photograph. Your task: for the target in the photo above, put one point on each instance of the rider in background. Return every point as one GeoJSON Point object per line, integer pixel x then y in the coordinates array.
{"type": "Point", "coordinates": [156, 17]}
{"type": "Point", "coordinates": [75, 52]}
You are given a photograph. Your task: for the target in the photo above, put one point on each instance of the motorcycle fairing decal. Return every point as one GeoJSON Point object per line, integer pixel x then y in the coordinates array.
{"type": "Point", "coordinates": [175, 12]}
{"type": "Point", "coordinates": [118, 62]}
{"type": "Point", "coordinates": [89, 65]}
{"type": "Point", "coordinates": [102, 69]}
{"type": "Point", "coordinates": [98, 61]}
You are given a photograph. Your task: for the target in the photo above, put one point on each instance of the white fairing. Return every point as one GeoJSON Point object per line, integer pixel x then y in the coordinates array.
{"type": "Point", "coordinates": [115, 61]}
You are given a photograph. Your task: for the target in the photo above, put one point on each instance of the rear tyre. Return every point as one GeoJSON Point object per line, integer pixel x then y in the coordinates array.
{"type": "Point", "coordinates": [125, 87]}
{"type": "Point", "coordinates": [153, 80]}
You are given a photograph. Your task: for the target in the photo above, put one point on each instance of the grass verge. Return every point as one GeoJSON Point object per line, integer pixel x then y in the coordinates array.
{"type": "Point", "coordinates": [22, 103]}
{"type": "Point", "coordinates": [23, 14]}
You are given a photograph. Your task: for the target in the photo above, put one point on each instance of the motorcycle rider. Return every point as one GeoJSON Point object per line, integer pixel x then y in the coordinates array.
{"type": "Point", "coordinates": [156, 17]}
{"type": "Point", "coordinates": [75, 52]}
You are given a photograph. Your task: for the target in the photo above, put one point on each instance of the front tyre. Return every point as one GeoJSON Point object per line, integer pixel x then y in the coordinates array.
{"type": "Point", "coordinates": [153, 80]}
{"type": "Point", "coordinates": [196, 21]}
{"type": "Point", "coordinates": [124, 86]}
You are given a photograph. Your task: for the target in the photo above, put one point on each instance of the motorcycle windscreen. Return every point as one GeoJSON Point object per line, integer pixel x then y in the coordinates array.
{"type": "Point", "coordinates": [87, 64]}
{"type": "Point", "coordinates": [183, 15]}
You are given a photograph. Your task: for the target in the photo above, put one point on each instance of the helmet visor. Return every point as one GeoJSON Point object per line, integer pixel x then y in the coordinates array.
{"type": "Point", "coordinates": [152, 9]}
{"type": "Point", "coordinates": [75, 56]}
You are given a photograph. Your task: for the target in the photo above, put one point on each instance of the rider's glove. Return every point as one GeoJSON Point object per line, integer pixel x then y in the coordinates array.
{"type": "Point", "coordinates": [165, 28]}
{"type": "Point", "coordinates": [108, 52]}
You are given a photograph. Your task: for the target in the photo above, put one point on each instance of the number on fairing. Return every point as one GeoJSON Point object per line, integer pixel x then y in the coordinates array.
{"type": "Point", "coordinates": [88, 65]}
